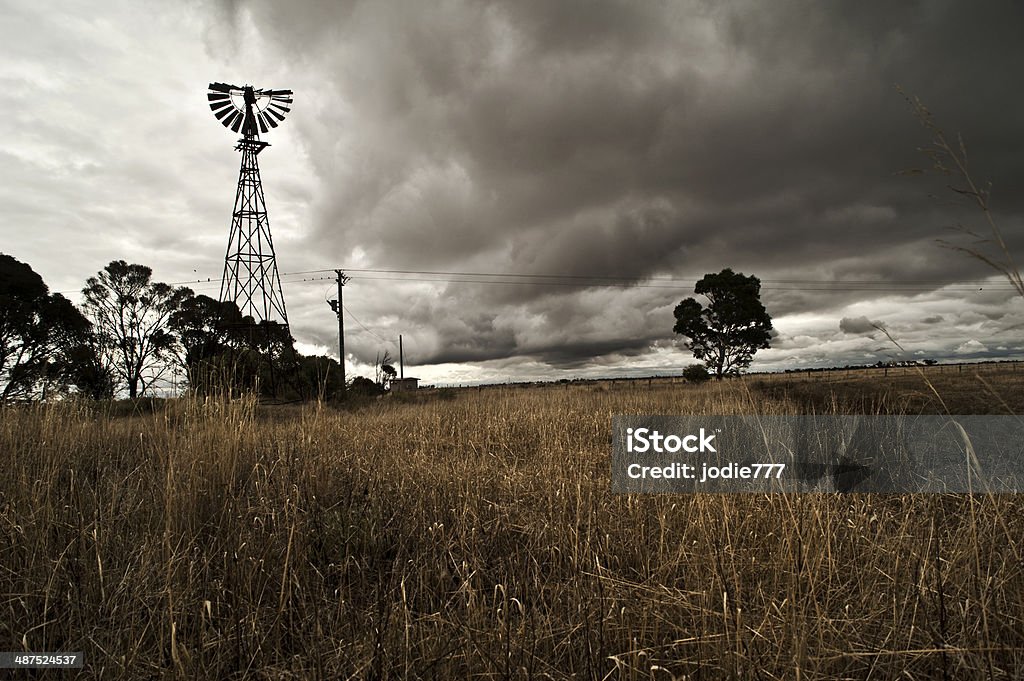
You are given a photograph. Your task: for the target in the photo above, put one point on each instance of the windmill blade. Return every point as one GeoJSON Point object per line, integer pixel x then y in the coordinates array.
{"type": "Point", "coordinates": [267, 100]}
{"type": "Point", "coordinates": [264, 111]}
{"type": "Point", "coordinates": [221, 103]}
{"type": "Point", "coordinates": [269, 119]}
{"type": "Point", "coordinates": [273, 93]}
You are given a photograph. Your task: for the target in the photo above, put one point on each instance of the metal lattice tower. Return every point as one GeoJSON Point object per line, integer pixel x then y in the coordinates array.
{"type": "Point", "coordinates": [251, 279]}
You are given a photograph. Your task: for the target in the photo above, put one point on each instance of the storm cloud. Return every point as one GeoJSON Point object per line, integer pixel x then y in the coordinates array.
{"type": "Point", "coordinates": [649, 143]}
{"type": "Point", "coordinates": [859, 325]}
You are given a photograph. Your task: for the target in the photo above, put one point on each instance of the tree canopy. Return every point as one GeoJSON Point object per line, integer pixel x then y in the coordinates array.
{"type": "Point", "coordinates": [131, 315]}
{"type": "Point", "coordinates": [140, 331]}
{"type": "Point", "coordinates": [735, 325]}
{"type": "Point", "coordinates": [44, 339]}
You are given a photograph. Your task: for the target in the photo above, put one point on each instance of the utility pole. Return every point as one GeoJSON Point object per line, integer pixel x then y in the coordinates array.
{"type": "Point", "coordinates": [401, 359]}
{"type": "Point", "coordinates": [339, 308]}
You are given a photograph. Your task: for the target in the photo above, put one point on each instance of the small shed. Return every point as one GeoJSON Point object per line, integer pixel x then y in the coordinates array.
{"type": "Point", "coordinates": [399, 385]}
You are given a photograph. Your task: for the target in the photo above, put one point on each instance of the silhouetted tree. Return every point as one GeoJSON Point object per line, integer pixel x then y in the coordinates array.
{"type": "Point", "coordinates": [725, 334]}
{"type": "Point", "coordinates": [131, 316]}
{"type": "Point", "coordinates": [87, 371]}
{"type": "Point", "coordinates": [220, 349]}
{"type": "Point", "coordinates": [42, 335]}
{"type": "Point", "coordinates": [319, 376]}
{"type": "Point", "coordinates": [208, 345]}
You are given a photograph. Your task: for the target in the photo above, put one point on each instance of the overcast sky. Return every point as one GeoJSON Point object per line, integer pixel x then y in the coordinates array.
{"type": "Point", "coordinates": [648, 141]}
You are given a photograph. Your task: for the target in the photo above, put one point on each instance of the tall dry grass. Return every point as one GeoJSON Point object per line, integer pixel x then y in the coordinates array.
{"type": "Point", "coordinates": [474, 537]}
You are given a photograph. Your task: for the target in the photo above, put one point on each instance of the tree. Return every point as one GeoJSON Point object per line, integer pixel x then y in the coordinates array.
{"type": "Point", "coordinates": [319, 376]}
{"type": "Point", "coordinates": [725, 334]}
{"type": "Point", "coordinates": [87, 371]}
{"type": "Point", "coordinates": [220, 349]}
{"type": "Point", "coordinates": [131, 316]}
{"type": "Point", "coordinates": [208, 340]}
{"type": "Point", "coordinates": [383, 370]}
{"type": "Point", "coordinates": [43, 337]}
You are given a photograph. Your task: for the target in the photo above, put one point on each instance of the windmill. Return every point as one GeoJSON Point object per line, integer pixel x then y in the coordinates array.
{"type": "Point", "coordinates": [251, 279]}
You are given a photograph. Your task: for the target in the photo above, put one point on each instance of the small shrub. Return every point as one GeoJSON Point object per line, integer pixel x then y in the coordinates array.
{"type": "Point", "coordinates": [696, 373]}
{"type": "Point", "coordinates": [360, 385]}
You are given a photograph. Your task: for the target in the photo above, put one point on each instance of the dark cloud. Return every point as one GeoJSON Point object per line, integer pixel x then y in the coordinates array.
{"type": "Point", "coordinates": [642, 139]}
{"type": "Point", "coordinates": [654, 141]}
{"type": "Point", "coordinates": [859, 325]}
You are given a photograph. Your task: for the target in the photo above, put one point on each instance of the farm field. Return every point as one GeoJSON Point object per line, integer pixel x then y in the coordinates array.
{"type": "Point", "coordinates": [472, 534]}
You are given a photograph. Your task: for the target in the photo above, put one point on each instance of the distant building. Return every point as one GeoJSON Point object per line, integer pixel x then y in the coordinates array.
{"type": "Point", "coordinates": [404, 384]}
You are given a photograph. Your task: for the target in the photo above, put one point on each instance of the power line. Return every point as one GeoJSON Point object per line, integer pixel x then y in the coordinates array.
{"type": "Point", "coordinates": [888, 288]}
{"type": "Point", "coordinates": [519, 275]}
{"type": "Point", "coordinates": [356, 320]}
{"type": "Point", "coordinates": [576, 280]}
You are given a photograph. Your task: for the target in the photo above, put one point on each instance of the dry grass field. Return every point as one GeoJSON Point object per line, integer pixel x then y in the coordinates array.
{"type": "Point", "coordinates": [473, 535]}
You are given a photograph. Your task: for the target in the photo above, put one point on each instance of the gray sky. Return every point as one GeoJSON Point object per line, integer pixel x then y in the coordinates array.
{"type": "Point", "coordinates": [648, 141]}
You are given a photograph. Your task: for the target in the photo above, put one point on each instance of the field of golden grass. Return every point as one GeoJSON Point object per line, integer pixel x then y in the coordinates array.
{"type": "Point", "coordinates": [474, 535]}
